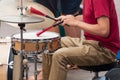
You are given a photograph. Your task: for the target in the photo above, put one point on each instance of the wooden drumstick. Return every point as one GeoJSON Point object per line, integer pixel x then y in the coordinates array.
{"type": "Point", "coordinates": [59, 22]}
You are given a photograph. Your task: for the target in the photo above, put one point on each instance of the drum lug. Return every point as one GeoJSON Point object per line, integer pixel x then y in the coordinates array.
{"type": "Point", "coordinates": [46, 51]}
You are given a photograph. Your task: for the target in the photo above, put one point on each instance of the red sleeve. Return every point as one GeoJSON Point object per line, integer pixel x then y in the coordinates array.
{"type": "Point", "coordinates": [101, 8]}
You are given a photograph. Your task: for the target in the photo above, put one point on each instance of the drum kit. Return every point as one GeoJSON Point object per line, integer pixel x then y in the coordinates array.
{"type": "Point", "coordinates": [28, 43]}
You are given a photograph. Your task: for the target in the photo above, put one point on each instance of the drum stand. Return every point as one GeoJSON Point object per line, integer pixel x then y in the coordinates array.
{"type": "Point", "coordinates": [22, 25]}
{"type": "Point", "coordinates": [21, 20]}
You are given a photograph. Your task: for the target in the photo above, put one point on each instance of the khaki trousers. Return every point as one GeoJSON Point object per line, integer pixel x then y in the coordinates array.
{"type": "Point", "coordinates": [75, 51]}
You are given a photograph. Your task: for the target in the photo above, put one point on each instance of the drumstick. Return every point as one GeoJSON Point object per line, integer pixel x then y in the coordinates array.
{"type": "Point", "coordinates": [60, 22]}
{"type": "Point", "coordinates": [35, 11]}
{"type": "Point", "coordinates": [39, 33]}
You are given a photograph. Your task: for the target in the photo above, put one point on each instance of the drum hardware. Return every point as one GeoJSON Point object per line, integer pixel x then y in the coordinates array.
{"type": "Point", "coordinates": [37, 45]}
{"type": "Point", "coordinates": [21, 20]}
{"type": "Point", "coordinates": [26, 68]}
{"type": "Point", "coordinates": [15, 19]}
{"type": "Point", "coordinates": [31, 58]}
{"type": "Point", "coordinates": [10, 64]}
{"type": "Point", "coordinates": [21, 7]}
{"type": "Point", "coordinates": [46, 51]}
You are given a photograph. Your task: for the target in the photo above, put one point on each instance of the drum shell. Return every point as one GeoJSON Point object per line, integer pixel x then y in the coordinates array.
{"type": "Point", "coordinates": [51, 42]}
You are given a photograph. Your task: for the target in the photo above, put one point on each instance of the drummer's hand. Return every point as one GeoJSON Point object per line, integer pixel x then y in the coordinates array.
{"type": "Point", "coordinates": [68, 20]}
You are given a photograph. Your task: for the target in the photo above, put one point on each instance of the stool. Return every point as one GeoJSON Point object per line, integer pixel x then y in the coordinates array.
{"type": "Point", "coordinates": [97, 69]}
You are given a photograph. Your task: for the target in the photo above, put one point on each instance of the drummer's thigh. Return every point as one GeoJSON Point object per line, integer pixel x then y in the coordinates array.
{"type": "Point", "coordinates": [84, 55]}
{"type": "Point", "coordinates": [71, 54]}
{"type": "Point", "coordinates": [71, 42]}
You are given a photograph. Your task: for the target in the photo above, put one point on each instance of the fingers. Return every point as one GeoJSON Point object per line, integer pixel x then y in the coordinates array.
{"type": "Point", "coordinates": [61, 18]}
{"type": "Point", "coordinates": [65, 19]}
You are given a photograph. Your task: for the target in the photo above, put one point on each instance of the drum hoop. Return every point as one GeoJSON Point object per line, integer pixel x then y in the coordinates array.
{"type": "Point", "coordinates": [13, 38]}
{"type": "Point", "coordinates": [36, 40]}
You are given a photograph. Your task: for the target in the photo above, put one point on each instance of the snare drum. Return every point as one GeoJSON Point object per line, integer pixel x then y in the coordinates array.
{"type": "Point", "coordinates": [49, 41]}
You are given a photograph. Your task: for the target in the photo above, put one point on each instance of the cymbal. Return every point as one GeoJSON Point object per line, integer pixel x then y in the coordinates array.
{"type": "Point", "coordinates": [21, 19]}
{"type": "Point", "coordinates": [12, 10]}
{"type": "Point", "coordinates": [44, 9]}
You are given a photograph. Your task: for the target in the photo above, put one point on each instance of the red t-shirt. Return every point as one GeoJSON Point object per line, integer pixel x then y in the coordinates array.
{"type": "Point", "coordinates": [94, 9]}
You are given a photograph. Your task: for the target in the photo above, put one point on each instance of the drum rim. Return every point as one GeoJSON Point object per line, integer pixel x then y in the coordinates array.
{"type": "Point", "coordinates": [56, 37]}
{"type": "Point", "coordinates": [35, 40]}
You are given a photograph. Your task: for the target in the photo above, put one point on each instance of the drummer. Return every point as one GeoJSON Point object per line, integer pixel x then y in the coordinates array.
{"type": "Point", "coordinates": [101, 41]}
{"type": "Point", "coordinates": [64, 10]}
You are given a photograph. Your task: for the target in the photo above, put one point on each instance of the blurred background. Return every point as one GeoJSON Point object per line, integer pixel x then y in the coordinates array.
{"type": "Point", "coordinates": [9, 7]}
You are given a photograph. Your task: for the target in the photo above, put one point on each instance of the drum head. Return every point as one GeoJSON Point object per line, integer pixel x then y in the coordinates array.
{"type": "Point", "coordinates": [32, 36]}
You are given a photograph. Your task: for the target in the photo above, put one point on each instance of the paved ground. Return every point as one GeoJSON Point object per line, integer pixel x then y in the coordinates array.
{"type": "Point", "coordinates": [7, 30]}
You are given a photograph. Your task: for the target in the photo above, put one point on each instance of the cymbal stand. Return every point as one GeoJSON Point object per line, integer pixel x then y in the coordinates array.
{"type": "Point", "coordinates": [21, 7]}
{"type": "Point", "coordinates": [21, 25]}
{"type": "Point", "coordinates": [21, 21]}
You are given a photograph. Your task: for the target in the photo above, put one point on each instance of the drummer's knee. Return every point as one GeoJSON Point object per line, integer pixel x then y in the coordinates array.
{"type": "Point", "coordinates": [57, 56]}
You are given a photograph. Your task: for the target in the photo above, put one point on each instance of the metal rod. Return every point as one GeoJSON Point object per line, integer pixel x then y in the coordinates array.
{"type": "Point", "coordinates": [21, 7]}
{"type": "Point", "coordinates": [21, 25]}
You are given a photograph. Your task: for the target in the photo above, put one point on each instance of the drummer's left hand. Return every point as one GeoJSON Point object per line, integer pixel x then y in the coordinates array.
{"type": "Point", "coordinates": [68, 20]}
